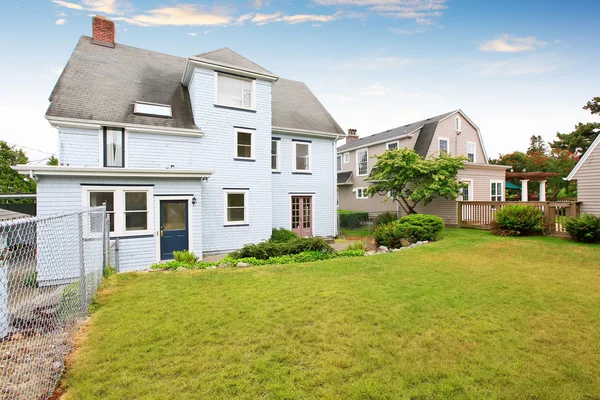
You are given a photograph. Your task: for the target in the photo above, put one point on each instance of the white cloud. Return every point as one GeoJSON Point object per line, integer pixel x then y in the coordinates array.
{"type": "Point", "coordinates": [61, 21]}
{"type": "Point", "coordinates": [181, 15]}
{"type": "Point", "coordinates": [375, 89]}
{"type": "Point", "coordinates": [299, 18]}
{"type": "Point", "coordinates": [506, 43]}
{"type": "Point", "coordinates": [422, 11]}
{"type": "Point", "coordinates": [61, 14]}
{"type": "Point", "coordinates": [258, 3]}
{"type": "Point", "coordinates": [192, 34]}
{"type": "Point", "coordinates": [263, 19]}
{"type": "Point", "coordinates": [412, 31]}
{"type": "Point", "coordinates": [517, 67]}
{"type": "Point", "coordinates": [103, 6]}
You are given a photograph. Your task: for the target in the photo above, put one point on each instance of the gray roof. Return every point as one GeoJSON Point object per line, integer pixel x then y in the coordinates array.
{"type": "Point", "coordinates": [228, 57]}
{"type": "Point", "coordinates": [394, 133]}
{"type": "Point", "coordinates": [101, 84]}
{"type": "Point", "coordinates": [8, 215]}
{"type": "Point", "coordinates": [343, 178]}
{"type": "Point", "coordinates": [295, 106]}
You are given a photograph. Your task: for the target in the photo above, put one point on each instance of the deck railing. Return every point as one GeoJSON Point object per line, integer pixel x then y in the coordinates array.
{"type": "Point", "coordinates": [480, 214]}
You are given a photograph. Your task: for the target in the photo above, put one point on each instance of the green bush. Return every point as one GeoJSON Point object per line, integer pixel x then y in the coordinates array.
{"type": "Point", "coordinates": [185, 257]}
{"type": "Point", "coordinates": [266, 250]}
{"type": "Point", "coordinates": [384, 218]}
{"type": "Point", "coordinates": [349, 253]}
{"type": "Point", "coordinates": [358, 245]}
{"type": "Point", "coordinates": [583, 228]}
{"type": "Point", "coordinates": [517, 220]}
{"type": "Point", "coordinates": [352, 219]}
{"type": "Point", "coordinates": [282, 235]}
{"type": "Point", "coordinates": [414, 228]}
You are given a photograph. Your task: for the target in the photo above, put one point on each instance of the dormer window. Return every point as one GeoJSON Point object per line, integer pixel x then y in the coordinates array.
{"type": "Point", "coordinates": [152, 109]}
{"type": "Point", "coordinates": [234, 91]}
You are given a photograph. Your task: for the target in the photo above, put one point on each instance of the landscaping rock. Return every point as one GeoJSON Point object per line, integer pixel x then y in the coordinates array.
{"type": "Point", "coordinates": [405, 242]}
{"type": "Point", "coordinates": [370, 253]}
{"type": "Point", "coordinates": [225, 265]}
{"type": "Point", "coordinates": [412, 246]}
{"type": "Point", "coordinates": [395, 250]}
{"type": "Point", "coordinates": [382, 249]}
{"type": "Point", "coordinates": [181, 269]}
{"type": "Point", "coordinates": [243, 265]}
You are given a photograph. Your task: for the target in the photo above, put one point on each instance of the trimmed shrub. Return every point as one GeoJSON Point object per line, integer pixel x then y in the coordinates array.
{"type": "Point", "coordinates": [414, 228]}
{"type": "Point", "coordinates": [282, 235]}
{"type": "Point", "coordinates": [384, 218]}
{"type": "Point", "coordinates": [266, 250]}
{"type": "Point", "coordinates": [583, 228]}
{"type": "Point", "coordinates": [518, 220]}
{"type": "Point", "coordinates": [185, 257]}
{"type": "Point", "coordinates": [352, 219]}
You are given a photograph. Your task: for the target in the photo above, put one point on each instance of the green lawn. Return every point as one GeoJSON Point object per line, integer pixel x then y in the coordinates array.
{"type": "Point", "coordinates": [472, 316]}
{"type": "Point", "coordinates": [363, 231]}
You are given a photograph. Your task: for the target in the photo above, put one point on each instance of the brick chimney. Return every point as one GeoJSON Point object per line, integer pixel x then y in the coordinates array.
{"type": "Point", "coordinates": [352, 136]}
{"type": "Point", "coordinates": [103, 31]}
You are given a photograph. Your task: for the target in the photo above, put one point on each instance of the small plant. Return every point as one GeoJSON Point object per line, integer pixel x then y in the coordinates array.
{"type": "Point", "coordinates": [32, 280]}
{"type": "Point", "coordinates": [282, 235]}
{"type": "Point", "coordinates": [109, 271]}
{"type": "Point", "coordinates": [350, 219]}
{"type": "Point", "coordinates": [518, 220]}
{"type": "Point", "coordinates": [266, 250]}
{"type": "Point", "coordinates": [358, 245]}
{"type": "Point", "coordinates": [185, 257]}
{"type": "Point", "coordinates": [583, 228]}
{"type": "Point", "coordinates": [349, 253]}
{"type": "Point", "coordinates": [384, 218]}
{"type": "Point", "coordinates": [413, 228]}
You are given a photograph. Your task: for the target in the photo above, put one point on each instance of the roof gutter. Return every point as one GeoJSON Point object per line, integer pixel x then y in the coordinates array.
{"type": "Point", "coordinates": [38, 171]}
{"type": "Point", "coordinates": [294, 131]}
{"type": "Point", "coordinates": [403, 136]}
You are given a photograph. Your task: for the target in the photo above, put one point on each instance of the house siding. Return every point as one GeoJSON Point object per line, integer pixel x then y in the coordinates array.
{"type": "Point", "coordinates": [61, 194]}
{"type": "Point", "coordinates": [319, 184]}
{"type": "Point", "coordinates": [588, 183]}
{"type": "Point", "coordinates": [216, 152]}
{"type": "Point", "coordinates": [79, 147]}
{"type": "Point", "coordinates": [458, 143]}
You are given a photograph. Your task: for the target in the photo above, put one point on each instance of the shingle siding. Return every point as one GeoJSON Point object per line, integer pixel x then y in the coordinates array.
{"type": "Point", "coordinates": [320, 184]}
{"type": "Point", "coordinates": [79, 147]}
{"type": "Point", "coordinates": [588, 183]}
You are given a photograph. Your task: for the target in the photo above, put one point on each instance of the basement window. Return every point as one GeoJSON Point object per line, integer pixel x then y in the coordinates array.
{"type": "Point", "coordinates": [152, 109]}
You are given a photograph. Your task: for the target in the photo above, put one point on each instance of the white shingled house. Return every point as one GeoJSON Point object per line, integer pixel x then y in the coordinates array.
{"type": "Point", "coordinates": [587, 175]}
{"type": "Point", "coordinates": [205, 153]}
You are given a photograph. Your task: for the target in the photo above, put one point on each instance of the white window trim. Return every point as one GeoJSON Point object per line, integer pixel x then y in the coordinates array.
{"type": "Point", "coordinates": [361, 189]}
{"type": "Point", "coordinates": [216, 91]}
{"type": "Point", "coordinates": [246, 207]}
{"type": "Point", "coordinates": [338, 166]}
{"type": "Point", "coordinates": [501, 185]}
{"type": "Point", "coordinates": [347, 157]}
{"type": "Point", "coordinates": [470, 182]}
{"type": "Point", "coordinates": [358, 162]}
{"type": "Point", "coordinates": [235, 143]}
{"type": "Point", "coordinates": [302, 171]}
{"type": "Point", "coordinates": [278, 169]}
{"type": "Point", "coordinates": [397, 143]}
{"type": "Point", "coordinates": [119, 207]}
{"type": "Point", "coordinates": [441, 139]}
{"type": "Point", "coordinates": [190, 226]}
{"type": "Point", "coordinates": [474, 151]}
{"type": "Point", "coordinates": [457, 124]}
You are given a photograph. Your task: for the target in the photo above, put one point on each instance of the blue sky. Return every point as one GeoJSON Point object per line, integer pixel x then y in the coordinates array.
{"type": "Point", "coordinates": [517, 68]}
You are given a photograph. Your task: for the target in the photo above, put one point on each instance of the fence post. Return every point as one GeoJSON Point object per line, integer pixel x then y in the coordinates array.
{"type": "Point", "coordinates": [460, 216]}
{"type": "Point", "coordinates": [82, 284]}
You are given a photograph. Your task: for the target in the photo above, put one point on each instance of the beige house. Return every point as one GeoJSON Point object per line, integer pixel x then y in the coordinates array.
{"type": "Point", "coordinates": [587, 175]}
{"type": "Point", "coordinates": [452, 132]}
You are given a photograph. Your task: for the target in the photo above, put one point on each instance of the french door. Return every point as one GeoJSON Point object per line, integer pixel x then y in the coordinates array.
{"type": "Point", "coordinates": [302, 216]}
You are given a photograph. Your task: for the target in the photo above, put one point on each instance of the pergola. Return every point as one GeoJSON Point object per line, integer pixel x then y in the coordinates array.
{"type": "Point", "coordinates": [525, 177]}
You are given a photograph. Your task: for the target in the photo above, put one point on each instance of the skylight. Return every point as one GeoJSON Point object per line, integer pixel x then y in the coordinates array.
{"type": "Point", "coordinates": [152, 109]}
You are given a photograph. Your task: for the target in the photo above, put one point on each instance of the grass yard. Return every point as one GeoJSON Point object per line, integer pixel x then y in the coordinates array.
{"type": "Point", "coordinates": [363, 231]}
{"type": "Point", "coordinates": [472, 316]}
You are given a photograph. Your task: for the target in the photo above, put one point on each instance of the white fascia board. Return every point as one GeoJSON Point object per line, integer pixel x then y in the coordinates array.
{"type": "Point", "coordinates": [212, 65]}
{"type": "Point", "coordinates": [583, 159]}
{"type": "Point", "coordinates": [403, 136]}
{"type": "Point", "coordinates": [111, 172]}
{"type": "Point", "coordinates": [473, 124]}
{"type": "Point", "coordinates": [470, 165]}
{"type": "Point", "coordinates": [293, 131]}
{"type": "Point", "coordinates": [91, 124]}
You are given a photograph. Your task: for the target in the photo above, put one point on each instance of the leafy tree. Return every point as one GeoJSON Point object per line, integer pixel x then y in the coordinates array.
{"type": "Point", "coordinates": [10, 180]}
{"type": "Point", "coordinates": [409, 179]}
{"type": "Point", "coordinates": [537, 145]}
{"type": "Point", "coordinates": [584, 134]}
{"type": "Point", "coordinates": [52, 160]}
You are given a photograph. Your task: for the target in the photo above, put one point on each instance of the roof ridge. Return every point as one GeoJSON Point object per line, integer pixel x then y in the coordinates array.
{"type": "Point", "coordinates": [236, 53]}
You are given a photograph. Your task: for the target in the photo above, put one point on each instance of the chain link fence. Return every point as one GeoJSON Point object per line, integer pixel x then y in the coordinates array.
{"type": "Point", "coordinates": [50, 269]}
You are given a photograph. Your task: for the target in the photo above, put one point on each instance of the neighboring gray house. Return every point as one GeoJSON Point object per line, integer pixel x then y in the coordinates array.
{"type": "Point", "coordinates": [452, 132]}
{"type": "Point", "coordinates": [205, 153]}
{"type": "Point", "coordinates": [587, 175]}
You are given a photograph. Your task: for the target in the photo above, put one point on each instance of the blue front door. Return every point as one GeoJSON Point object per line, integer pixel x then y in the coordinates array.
{"type": "Point", "coordinates": [173, 227]}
